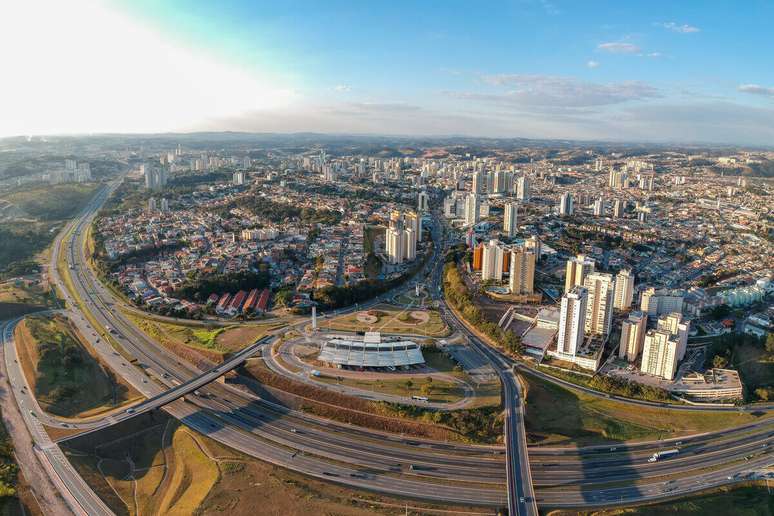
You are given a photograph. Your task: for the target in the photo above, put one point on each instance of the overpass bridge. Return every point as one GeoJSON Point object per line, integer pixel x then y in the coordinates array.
{"type": "Point", "coordinates": [172, 394]}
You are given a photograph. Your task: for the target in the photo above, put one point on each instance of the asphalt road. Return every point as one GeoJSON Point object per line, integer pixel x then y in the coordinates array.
{"type": "Point", "coordinates": [360, 457]}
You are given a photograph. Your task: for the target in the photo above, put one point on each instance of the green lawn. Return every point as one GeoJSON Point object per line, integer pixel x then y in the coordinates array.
{"type": "Point", "coordinates": [437, 391]}
{"type": "Point", "coordinates": [555, 415]}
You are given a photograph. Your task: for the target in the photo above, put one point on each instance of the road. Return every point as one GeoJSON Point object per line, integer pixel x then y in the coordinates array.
{"type": "Point", "coordinates": [366, 458]}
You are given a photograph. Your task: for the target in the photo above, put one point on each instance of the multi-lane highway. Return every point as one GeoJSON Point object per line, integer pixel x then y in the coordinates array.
{"type": "Point", "coordinates": [392, 464]}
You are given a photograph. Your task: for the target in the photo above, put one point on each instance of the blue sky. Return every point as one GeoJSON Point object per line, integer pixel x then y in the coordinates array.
{"type": "Point", "coordinates": [648, 71]}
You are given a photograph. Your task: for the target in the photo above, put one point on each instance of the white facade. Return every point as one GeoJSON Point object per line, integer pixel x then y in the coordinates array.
{"type": "Point", "coordinates": [599, 307]}
{"type": "Point", "coordinates": [572, 320]}
{"type": "Point", "coordinates": [492, 261]}
{"type": "Point", "coordinates": [565, 205]}
{"type": "Point", "coordinates": [510, 222]}
{"type": "Point", "coordinates": [659, 355]}
{"type": "Point", "coordinates": [472, 209]}
{"type": "Point", "coordinates": [632, 336]}
{"type": "Point", "coordinates": [577, 269]}
{"type": "Point", "coordinates": [624, 289]}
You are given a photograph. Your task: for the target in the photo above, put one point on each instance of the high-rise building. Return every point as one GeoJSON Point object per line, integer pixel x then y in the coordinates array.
{"type": "Point", "coordinates": [83, 173]}
{"type": "Point", "coordinates": [510, 222]}
{"type": "Point", "coordinates": [599, 307]}
{"type": "Point", "coordinates": [577, 269]}
{"type": "Point", "coordinates": [409, 244]}
{"type": "Point", "coordinates": [472, 209]}
{"type": "Point", "coordinates": [422, 201]}
{"type": "Point", "coordinates": [632, 336]}
{"type": "Point", "coordinates": [659, 354]}
{"type": "Point", "coordinates": [414, 221]}
{"type": "Point", "coordinates": [155, 178]}
{"type": "Point", "coordinates": [522, 189]}
{"type": "Point", "coordinates": [164, 204]}
{"type": "Point", "coordinates": [492, 261]}
{"type": "Point", "coordinates": [478, 257]}
{"type": "Point", "coordinates": [152, 204]}
{"type": "Point", "coordinates": [533, 244]}
{"type": "Point", "coordinates": [624, 289]}
{"type": "Point", "coordinates": [238, 178]}
{"type": "Point", "coordinates": [565, 205]}
{"type": "Point", "coordinates": [599, 207]}
{"type": "Point", "coordinates": [658, 302]}
{"type": "Point", "coordinates": [394, 240]}
{"type": "Point", "coordinates": [619, 206]}
{"type": "Point", "coordinates": [572, 320]}
{"type": "Point", "coordinates": [678, 329]}
{"type": "Point", "coordinates": [522, 279]}
{"type": "Point", "coordinates": [477, 186]}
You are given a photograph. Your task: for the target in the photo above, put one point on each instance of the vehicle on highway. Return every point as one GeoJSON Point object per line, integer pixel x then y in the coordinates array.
{"type": "Point", "coordinates": [420, 398]}
{"type": "Point", "coordinates": [663, 455]}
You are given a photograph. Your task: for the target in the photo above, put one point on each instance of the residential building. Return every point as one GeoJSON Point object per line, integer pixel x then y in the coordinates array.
{"type": "Point", "coordinates": [510, 222]}
{"type": "Point", "coordinates": [659, 354]}
{"type": "Point", "coordinates": [599, 306]}
{"type": "Point", "coordinates": [658, 302]}
{"type": "Point", "coordinates": [678, 328]}
{"type": "Point", "coordinates": [492, 261]}
{"type": "Point", "coordinates": [572, 320]}
{"type": "Point", "coordinates": [422, 202]}
{"type": "Point", "coordinates": [522, 271]}
{"type": "Point", "coordinates": [577, 269]}
{"type": "Point", "coordinates": [565, 205]}
{"type": "Point", "coordinates": [472, 209]}
{"type": "Point", "coordinates": [624, 289]}
{"type": "Point", "coordinates": [522, 189]}
{"type": "Point", "coordinates": [632, 336]}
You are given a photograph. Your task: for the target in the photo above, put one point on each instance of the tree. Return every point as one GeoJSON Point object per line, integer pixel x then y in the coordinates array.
{"type": "Point", "coordinates": [770, 343]}
{"type": "Point", "coordinates": [762, 394]}
{"type": "Point", "coordinates": [719, 362]}
{"type": "Point", "coordinates": [409, 384]}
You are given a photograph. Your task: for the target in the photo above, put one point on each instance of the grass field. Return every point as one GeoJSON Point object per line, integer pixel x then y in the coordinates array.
{"type": "Point", "coordinates": [437, 391]}
{"type": "Point", "coordinates": [153, 465]}
{"type": "Point", "coordinates": [20, 298]}
{"type": "Point", "coordinates": [390, 319]}
{"type": "Point", "coordinates": [555, 415]}
{"type": "Point", "coordinates": [740, 501]}
{"type": "Point", "coordinates": [58, 368]}
{"type": "Point", "coordinates": [214, 340]}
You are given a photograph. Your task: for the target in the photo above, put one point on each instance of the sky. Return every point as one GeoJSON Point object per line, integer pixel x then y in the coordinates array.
{"type": "Point", "coordinates": [649, 71]}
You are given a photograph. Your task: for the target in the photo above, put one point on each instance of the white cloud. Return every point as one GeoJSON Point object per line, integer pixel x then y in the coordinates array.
{"type": "Point", "coordinates": [756, 89]}
{"type": "Point", "coordinates": [592, 64]}
{"type": "Point", "coordinates": [80, 66]}
{"type": "Point", "coordinates": [342, 88]}
{"type": "Point", "coordinates": [654, 55]}
{"type": "Point", "coordinates": [557, 92]}
{"type": "Point", "coordinates": [618, 47]}
{"type": "Point", "coordinates": [676, 27]}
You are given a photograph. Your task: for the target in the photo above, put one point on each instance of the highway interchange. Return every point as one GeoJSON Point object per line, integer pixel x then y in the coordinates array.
{"type": "Point", "coordinates": [453, 473]}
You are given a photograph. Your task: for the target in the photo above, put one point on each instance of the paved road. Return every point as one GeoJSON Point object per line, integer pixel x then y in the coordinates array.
{"type": "Point", "coordinates": [334, 451]}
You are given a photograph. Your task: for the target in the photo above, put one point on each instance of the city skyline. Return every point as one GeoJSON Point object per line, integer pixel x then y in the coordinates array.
{"type": "Point", "coordinates": [651, 72]}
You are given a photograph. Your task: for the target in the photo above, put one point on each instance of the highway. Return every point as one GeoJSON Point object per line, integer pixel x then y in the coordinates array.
{"type": "Point", "coordinates": [381, 462]}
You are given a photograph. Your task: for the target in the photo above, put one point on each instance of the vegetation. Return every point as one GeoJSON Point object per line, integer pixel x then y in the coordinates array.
{"type": "Point", "coordinates": [589, 420]}
{"type": "Point", "coordinates": [202, 286]}
{"type": "Point", "coordinates": [21, 242]}
{"type": "Point", "coordinates": [392, 320]}
{"type": "Point", "coordinates": [58, 367]}
{"type": "Point", "coordinates": [613, 385]}
{"type": "Point", "coordinates": [9, 470]}
{"type": "Point", "coordinates": [52, 202]}
{"type": "Point", "coordinates": [281, 212]}
{"type": "Point", "coordinates": [753, 357]}
{"type": "Point", "coordinates": [457, 294]}
{"type": "Point", "coordinates": [20, 297]}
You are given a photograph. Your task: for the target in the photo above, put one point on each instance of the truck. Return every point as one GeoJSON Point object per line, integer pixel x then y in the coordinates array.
{"type": "Point", "coordinates": [663, 455]}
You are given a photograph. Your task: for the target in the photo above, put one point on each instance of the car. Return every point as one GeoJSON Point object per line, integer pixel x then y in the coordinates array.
{"type": "Point", "coordinates": [130, 411]}
{"type": "Point", "coordinates": [522, 499]}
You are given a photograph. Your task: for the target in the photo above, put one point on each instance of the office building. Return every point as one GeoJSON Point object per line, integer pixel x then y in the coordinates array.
{"type": "Point", "coordinates": [600, 287]}
{"type": "Point", "coordinates": [510, 222]}
{"type": "Point", "coordinates": [492, 261]}
{"type": "Point", "coordinates": [565, 205]}
{"type": "Point", "coordinates": [632, 336]}
{"type": "Point", "coordinates": [572, 320]}
{"type": "Point", "coordinates": [472, 209]}
{"type": "Point", "coordinates": [624, 290]}
{"type": "Point", "coordinates": [522, 272]}
{"type": "Point", "coordinates": [659, 354]}
{"type": "Point", "coordinates": [577, 269]}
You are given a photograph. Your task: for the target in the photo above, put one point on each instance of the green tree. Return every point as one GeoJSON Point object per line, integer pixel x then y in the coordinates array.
{"type": "Point", "coordinates": [719, 362]}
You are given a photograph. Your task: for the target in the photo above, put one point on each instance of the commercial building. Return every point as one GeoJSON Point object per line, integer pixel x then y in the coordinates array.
{"type": "Point", "coordinates": [577, 269]}
{"type": "Point", "coordinates": [522, 273]}
{"type": "Point", "coordinates": [370, 351]}
{"type": "Point", "coordinates": [632, 336]}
